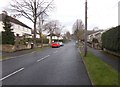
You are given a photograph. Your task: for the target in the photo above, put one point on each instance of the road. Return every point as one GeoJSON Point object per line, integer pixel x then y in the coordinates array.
{"type": "Point", "coordinates": [54, 66]}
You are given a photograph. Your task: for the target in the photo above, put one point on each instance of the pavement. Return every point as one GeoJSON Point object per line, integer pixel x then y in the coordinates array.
{"type": "Point", "coordinates": [110, 59]}
{"type": "Point", "coordinates": [53, 66]}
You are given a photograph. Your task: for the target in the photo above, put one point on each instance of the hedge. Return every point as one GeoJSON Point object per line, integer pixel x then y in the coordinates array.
{"type": "Point", "coordinates": [111, 39]}
{"type": "Point", "coordinates": [58, 40]}
{"type": "Point", "coordinates": [38, 40]}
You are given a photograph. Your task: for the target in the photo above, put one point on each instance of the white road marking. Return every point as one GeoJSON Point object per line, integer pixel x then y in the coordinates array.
{"type": "Point", "coordinates": [11, 74]}
{"type": "Point", "coordinates": [43, 58]}
{"type": "Point", "coordinates": [55, 52]}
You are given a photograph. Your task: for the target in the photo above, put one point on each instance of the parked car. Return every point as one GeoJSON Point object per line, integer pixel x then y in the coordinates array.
{"type": "Point", "coordinates": [61, 43]}
{"type": "Point", "coordinates": [55, 44]}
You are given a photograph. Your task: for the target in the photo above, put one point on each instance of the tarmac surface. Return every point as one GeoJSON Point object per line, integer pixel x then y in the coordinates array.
{"type": "Point", "coordinates": [53, 66]}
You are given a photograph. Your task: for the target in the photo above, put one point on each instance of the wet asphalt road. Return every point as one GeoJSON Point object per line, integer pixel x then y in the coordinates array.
{"type": "Point", "coordinates": [54, 66]}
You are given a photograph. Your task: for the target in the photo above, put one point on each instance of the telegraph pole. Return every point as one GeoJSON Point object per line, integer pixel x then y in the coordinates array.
{"type": "Point", "coordinates": [85, 48]}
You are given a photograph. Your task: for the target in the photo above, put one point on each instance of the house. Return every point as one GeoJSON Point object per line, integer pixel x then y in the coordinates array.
{"type": "Point", "coordinates": [95, 34]}
{"type": "Point", "coordinates": [18, 27]}
{"type": "Point", "coordinates": [54, 37]}
{"type": "Point", "coordinates": [94, 38]}
{"type": "Point", "coordinates": [20, 31]}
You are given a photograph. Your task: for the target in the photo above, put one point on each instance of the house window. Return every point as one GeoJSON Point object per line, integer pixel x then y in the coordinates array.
{"type": "Point", "coordinates": [17, 35]}
{"type": "Point", "coordinates": [23, 29]}
{"type": "Point", "coordinates": [26, 30]}
{"type": "Point", "coordinates": [18, 27]}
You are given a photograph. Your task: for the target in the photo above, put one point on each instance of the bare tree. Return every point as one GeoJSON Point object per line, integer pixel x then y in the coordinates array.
{"type": "Point", "coordinates": [78, 29]}
{"type": "Point", "coordinates": [53, 27]}
{"type": "Point", "coordinates": [31, 9]}
{"type": "Point", "coordinates": [59, 29]}
{"type": "Point", "coordinates": [40, 26]}
{"type": "Point", "coordinates": [68, 35]}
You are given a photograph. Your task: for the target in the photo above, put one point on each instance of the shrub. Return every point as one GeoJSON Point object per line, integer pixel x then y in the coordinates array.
{"type": "Point", "coordinates": [45, 41]}
{"type": "Point", "coordinates": [61, 40]}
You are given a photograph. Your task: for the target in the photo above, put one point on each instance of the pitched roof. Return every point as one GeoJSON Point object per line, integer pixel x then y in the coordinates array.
{"type": "Point", "coordinates": [13, 20]}
{"type": "Point", "coordinates": [53, 34]}
{"type": "Point", "coordinates": [92, 31]}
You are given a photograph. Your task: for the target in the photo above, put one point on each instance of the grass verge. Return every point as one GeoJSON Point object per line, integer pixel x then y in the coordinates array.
{"type": "Point", "coordinates": [100, 73]}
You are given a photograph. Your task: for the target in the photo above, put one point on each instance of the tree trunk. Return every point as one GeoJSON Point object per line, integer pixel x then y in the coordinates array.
{"type": "Point", "coordinates": [41, 39]}
{"type": "Point", "coordinates": [51, 38]}
{"type": "Point", "coordinates": [35, 20]}
{"type": "Point", "coordinates": [34, 41]}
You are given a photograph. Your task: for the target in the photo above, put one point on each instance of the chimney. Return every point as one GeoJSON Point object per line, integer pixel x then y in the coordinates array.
{"type": "Point", "coordinates": [4, 12]}
{"type": "Point", "coordinates": [14, 16]}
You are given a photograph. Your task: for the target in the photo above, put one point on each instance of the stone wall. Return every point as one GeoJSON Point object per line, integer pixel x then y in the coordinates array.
{"type": "Point", "coordinates": [12, 48]}
{"type": "Point", "coordinates": [8, 48]}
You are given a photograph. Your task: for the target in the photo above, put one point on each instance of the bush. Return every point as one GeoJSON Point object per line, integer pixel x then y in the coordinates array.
{"type": "Point", "coordinates": [57, 40]}
{"type": "Point", "coordinates": [38, 40]}
{"type": "Point", "coordinates": [45, 41]}
{"type": "Point", "coordinates": [111, 39]}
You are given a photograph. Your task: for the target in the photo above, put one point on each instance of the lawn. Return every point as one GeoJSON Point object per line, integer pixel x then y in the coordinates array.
{"type": "Point", "coordinates": [100, 73]}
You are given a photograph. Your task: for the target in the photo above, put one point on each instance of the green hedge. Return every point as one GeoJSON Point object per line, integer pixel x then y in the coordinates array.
{"type": "Point", "coordinates": [45, 41]}
{"type": "Point", "coordinates": [38, 40]}
{"type": "Point", "coordinates": [58, 40]}
{"type": "Point", "coordinates": [111, 39]}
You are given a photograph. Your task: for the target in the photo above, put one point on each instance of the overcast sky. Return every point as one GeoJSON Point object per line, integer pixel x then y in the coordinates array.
{"type": "Point", "coordinates": [101, 13]}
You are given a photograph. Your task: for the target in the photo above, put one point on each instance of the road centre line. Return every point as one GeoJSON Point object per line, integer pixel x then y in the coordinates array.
{"type": "Point", "coordinates": [43, 58]}
{"type": "Point", "coordinates": [11, 74]}
{"type": "Point", "coordinates": [55, 52]}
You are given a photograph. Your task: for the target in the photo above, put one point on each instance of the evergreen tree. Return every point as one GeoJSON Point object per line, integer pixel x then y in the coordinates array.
{"type": "Point", "coordinates": [8, 36]}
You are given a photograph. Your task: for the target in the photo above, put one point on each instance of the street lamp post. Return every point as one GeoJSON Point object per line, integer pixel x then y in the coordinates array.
{"type": "Point", "coordinates": [85, 38]}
